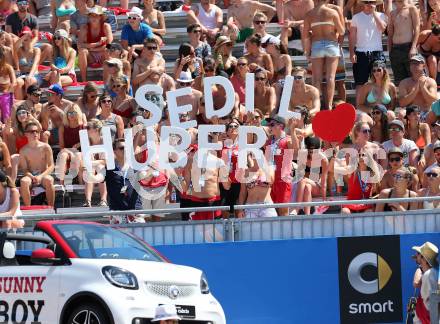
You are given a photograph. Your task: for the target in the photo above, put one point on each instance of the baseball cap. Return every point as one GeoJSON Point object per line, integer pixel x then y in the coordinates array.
{"type": "Point", "coordinates": [397, 122]}
{"type": "Point", "coordinates": [395, 150]}
{"type": "Point", "coordinates": [56, 89]}
{"type": "Point", "coordinates": [135, 12]}
{"type": "Point", "coordinates": [417, 58]}
{"type": "Point", "coordinates": [436, 145]}
{"type": "Point", "coordinates": [24, 31]}
{"type": "Point", "coordinates": [381, 108]}
{"type": "Point", "coordinates": [277, 118]}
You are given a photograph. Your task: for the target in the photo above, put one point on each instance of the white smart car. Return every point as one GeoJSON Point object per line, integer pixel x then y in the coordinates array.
{"type": "Point", "coordinates": [88, 273]}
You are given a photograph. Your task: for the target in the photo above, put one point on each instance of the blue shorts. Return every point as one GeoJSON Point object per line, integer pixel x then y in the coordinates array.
{"type": "Point", "coordinates": [325, 48]}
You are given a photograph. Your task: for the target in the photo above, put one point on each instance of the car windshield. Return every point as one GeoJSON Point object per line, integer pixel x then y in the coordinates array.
{"type": "Point", "coordinates": [90, 241]}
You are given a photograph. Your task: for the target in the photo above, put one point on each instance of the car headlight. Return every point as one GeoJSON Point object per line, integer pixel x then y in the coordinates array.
{"type": "Point", "coordinates": [120, 277]}
{"type": "Point", "coordinates": [204, 287]}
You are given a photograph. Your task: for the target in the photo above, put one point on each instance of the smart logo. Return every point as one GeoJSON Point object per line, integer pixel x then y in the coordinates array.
{"type": "Point", "coordinates": [384, 273]}
{"type": "Point", "coordinates": [369, 279]}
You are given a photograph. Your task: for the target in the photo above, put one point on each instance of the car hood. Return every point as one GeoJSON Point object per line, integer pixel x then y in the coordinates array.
{"type": "Point", "coordinates": [150, 271]}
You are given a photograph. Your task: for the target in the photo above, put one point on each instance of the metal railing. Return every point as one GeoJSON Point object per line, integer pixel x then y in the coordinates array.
{"type": "Point", "coordinates": [288, 227]}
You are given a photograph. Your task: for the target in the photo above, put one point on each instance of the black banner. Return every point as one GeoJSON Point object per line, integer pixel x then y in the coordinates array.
{"type": "Point", "coordinates": [369, 279]}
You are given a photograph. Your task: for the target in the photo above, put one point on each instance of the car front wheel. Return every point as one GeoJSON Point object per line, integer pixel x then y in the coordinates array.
{"type": "Point", "coordinates": [88, 314]}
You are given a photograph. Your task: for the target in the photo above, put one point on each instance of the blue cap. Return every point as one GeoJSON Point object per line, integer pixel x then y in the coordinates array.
{"type": "Point", "coordinates": [56, 89]}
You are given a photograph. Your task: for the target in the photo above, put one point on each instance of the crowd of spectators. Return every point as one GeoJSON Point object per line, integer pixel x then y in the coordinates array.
{"type": "Point", "coordinates": [397, 108]}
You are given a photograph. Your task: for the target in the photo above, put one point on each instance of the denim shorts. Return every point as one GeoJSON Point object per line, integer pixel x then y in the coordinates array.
{"type": "Point", "coordinates": [325, 48]}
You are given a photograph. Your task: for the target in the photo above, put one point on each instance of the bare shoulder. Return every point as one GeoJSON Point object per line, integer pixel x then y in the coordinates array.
{"type": "Point", "coordinates": [412, 194]}
{"type": "Point", "coordinates": [312, 90]}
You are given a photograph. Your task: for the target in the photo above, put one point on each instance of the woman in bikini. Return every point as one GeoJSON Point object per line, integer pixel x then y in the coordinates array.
{"type": "Point", "coordinates": [123, 104]}
{"type": "Point", "coordinates": [416, 131]}
{"type": "Point", "coordinates": [89, 102]}
{"type": "Point", "coordinates": [256, 57]}
{"type": "Point", "coordinates": [70, 146]}
{"type": "Point", "coordinates": [322, 26]}
{"type": "Point", "coordinates": [155, 19]}
{"type": "Point", "coordinates": [93, 38]}
{"type": "Point", "coordinates": [378, 90]}
{"type": "Point", "coordinates": [432, 189]}
{"type": "Point", "coordinates": [7, 85]}
{"type": "Point", "coordinates": [314, 181]}
{"type": "Point", "coordinates": [282, 62]}
{"type": "Point", "coordinates": [429, 47]}
{"type": "Point", "coordinates": [26, 58]}
{"type": "Point", "coordinates": [256, 190]}
{"type": "Point", "coordinates": [63, 60]}
{"type": "Point", "coordinates": [265, 97]}
{"type": "Point", "coordinates": [61, 12]}
{"type": "Point", "coordinates": [359, 187]}
{"type": "Point", "coordinates": [402, 181]}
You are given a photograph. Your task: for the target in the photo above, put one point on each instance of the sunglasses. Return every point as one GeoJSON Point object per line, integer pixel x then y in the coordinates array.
{"type": "Point", "coordinates": [395, 159]}
{"type": "Point", "coordinates": [93, 96]}
{"type": "Point", "coordinates": [298, 77]}
{"type": "Point", "coordinates": [120, 148]}
{"type": "Point", "coordinates": [32, 131]}
{"type": "Point", "coordinates": [260, 79]}
{"type": "Point", "coordinates": [22, 113]}
{"type": "Point", "coordinates": [151, 48]}
{"type": "Point", "coordinates": [362, 155]}
{"type": "Point", "coordinates": [111, 65]}
{"type": "Point", "coordinates": [185, 84]}
{"type": "Point", "coordinates": [257, 116]}
{"type": "Point", "coordinates": [377, 112]}
{"type": "Point", "coordinates": [260, 22]}
{"type": "Point", "coordinates": [376, 70]}
{"type": "Point", "coordinates": [71, 113]}
{"type": "Point", "coordinates": [117, 86]}
{"type": "Point", "coordinates": [241, 64]}
{"type": "Point", "coordinates": [57, 38]}
{"type": "Point", "coordinates": [394, 129]}
{"type": "Point", "coordinates": [22, 3]}
{"type": "Point", "coordinates": [89, 127]}
{"type": "Point", "coordinates": [197, 31]}
{"type": "Point", "coordinates": [272, 124]}
{"type": "Point", "coordinates": [432, 175]}
{"type": "Point", "coordinates": [106, 101]}
{"type": "Point", "coordinates": [399, 176]}
{"type": "Point", "coordinates": [36, 94]}
{"type": "Point", "coordinates": [366, 131]}
{"type": "Point", "coordinates": [132, 18]}
{"type": "Point", "coordinates": [232, 126]}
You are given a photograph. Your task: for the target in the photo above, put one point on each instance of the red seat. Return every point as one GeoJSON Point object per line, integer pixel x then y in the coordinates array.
{"type": "Point", "coordinates": [36, 207]}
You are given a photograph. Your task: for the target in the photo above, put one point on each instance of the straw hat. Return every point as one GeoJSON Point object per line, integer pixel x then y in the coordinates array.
{"type": "Point", "coordinates": [222, 40]}
{"type": "Point", "coordinates": [97, 10]}
{"type": "Point", "coordinates": [429, 251]}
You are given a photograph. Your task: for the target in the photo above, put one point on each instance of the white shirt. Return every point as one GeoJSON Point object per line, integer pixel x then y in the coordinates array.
{"type": "Point", "coordinates": [429, 285]}
{"type": "Point", "coordinates": [406, 147]}
{"type": "Point", "coordinates": [368, 36]}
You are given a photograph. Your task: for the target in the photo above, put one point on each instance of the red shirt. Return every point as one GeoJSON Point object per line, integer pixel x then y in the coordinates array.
{"type": "Point", "coordinates": [275, 150]}
{"type": "Point", "coordinates": [357, 191]}
{"type": "Point", "coordinates": [239, 87]}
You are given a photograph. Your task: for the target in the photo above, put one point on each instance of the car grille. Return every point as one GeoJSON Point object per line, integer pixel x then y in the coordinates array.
{"type": "Point", "coordinates": [163, 289]}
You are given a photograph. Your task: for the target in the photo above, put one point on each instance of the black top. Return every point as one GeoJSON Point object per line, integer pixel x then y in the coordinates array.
{"type": "Point", "coordinates": [17, 24]}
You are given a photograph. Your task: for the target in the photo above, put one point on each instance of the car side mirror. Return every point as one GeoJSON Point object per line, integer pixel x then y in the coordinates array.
{"type": "Point", "coordinates": [44, 257]}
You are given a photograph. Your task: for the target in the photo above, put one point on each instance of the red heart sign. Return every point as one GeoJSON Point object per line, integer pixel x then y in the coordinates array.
{"type": "Point", "coordinates": [334, 125]}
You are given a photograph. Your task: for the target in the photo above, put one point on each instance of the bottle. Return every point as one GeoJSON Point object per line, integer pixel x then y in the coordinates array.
{"type": "Point", "coordinates": [173, 196]}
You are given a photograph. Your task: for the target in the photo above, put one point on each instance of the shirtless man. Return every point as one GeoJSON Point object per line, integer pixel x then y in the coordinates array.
{"type": "Point", "coordinates": [302, 93]}
{"type": "Point", "coordinates": [52, 114]}
{"type": "Point", "coordinates": [147, 63]}
{"type": "Point", "coordinates": [208, 16]}
{"type": "Point", "coordinates": [201, 186]}
{"type": "Point", "coordinates": [36, 161]}
{"type": "Point", "coordinates": [294, 13]}
{"type": "Point", "coordinates": [193, 99]}
{"type": "Point", "coordinates": [418, 90]}
{"type": "Point", "coordinates": [240, 18]}
{"type": "Point", "coordinates": [403, 34]}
